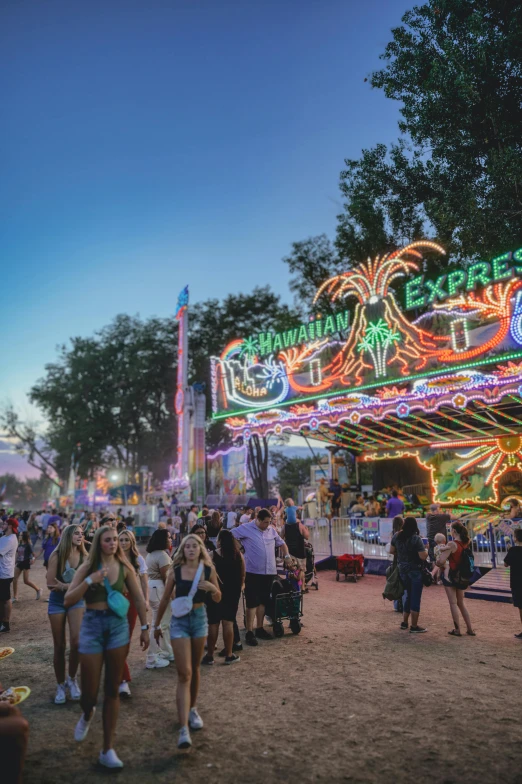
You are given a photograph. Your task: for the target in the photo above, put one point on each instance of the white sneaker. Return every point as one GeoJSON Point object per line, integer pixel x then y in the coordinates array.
{"type": "Point", "coordinates": [109, 759]}
{"type": "Point", "coordinates": [168, 656]}
{"type": "Point", "coordinates": [74, 690]}
{"type": "Point", "coordinates": [195, 720]}
{"type": "Point", "coordinates": [157, 663]}
{"type": "Point", "coordinates": [124, 688]}
{"type": "Point", "coordinates": [38, 594]}
{"type": "Point", "coordinates": [184, 741]}
{"type": "Point", "coordinates": [61, 696]}
{"type": "Point", "coordinates": [82, 728]}
{"type": "Point", "coordinates": [14, 599]}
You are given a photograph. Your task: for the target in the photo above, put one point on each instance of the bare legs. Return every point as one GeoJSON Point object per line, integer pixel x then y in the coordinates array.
{"type": "Point", "coordinates": [456, 603]}
{"type": "Point", "coordinates": [91, 674]}
{"type": "Point", "coordinates": [213, 631]}
{"type": "Point", "coordinates": [92, 664]}
{"type": "Point", "coordinates": [414, 618]}
{"type": "Point", "coordinates": [187, 656]}
{"type": "Point", "coordinates": [74, 619]}
{"type": "Point", "coordinates": [57, 621]}
{"type": "Point", "coordinates": [114, 663]}
{"type": "Point", "coordinates": [58, 629]}
{"type": "Point", "coordinates": [228, 636]}
{"type": "Point", "coordinates": [257, 614]}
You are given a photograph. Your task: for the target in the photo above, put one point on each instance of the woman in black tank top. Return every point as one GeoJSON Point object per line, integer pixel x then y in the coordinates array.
{"type": "Point", "coordinates": [230, 568]}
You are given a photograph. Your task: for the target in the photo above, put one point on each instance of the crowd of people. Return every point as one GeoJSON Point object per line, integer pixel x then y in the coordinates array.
{"type": "Point", "coordinates": [190, 580]}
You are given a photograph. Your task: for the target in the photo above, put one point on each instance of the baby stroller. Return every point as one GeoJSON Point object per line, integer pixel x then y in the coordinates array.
{"type": "Point", "coordinates": [310, 573]}
{"type": "Point", "coordinates": [286, 603]}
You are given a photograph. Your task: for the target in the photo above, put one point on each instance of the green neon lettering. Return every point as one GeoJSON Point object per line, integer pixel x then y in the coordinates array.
{"type": "Point", "coordinates": [435, 289]}
{"type": "Point", "coordinates": [414, 296]}
{"type": "Point", "coordinates": [311, 330]}
{"type": "Point", "coordinates": [277, 345]}
{"type": "Point", "coordinates": [264, 340]}
{"type": "Point", "coordinates": [478, 273]}
{"type": "Point", "coordinates": [500, 269]}
{"type": "Point", "coordinates": [303, 334]}
{"type": "Point", "coordinates": [290, 338]}
{"type": "Point", "coordinates": [517, 255]}
{"type": "Point", "coordinates": [319, 328]}
{"type": "Point", "coordinates": [456, 279]}
{"type": "Point", "coordinates": [329, 326]}
{"type": "Point", "coordinates": [342, 321]}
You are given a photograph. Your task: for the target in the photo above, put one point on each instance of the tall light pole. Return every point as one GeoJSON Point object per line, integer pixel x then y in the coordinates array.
{"type": "Point", "coordinates": [182, 402]}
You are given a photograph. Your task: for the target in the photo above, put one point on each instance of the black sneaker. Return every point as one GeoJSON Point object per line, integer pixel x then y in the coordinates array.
{"type": "Point", "coordinates": [4, 628]}
{"type": "Point", "coordinates": [207, 659]}
{"type": "Point", "coordinates": [518, 636]}
{"type": "Point", "coordinates": [404, 625]}
{"type": "Point", "coordinates": [237, 646]}
{"type": "Point", "coordinates": [250, 639]}
{"type": "Point", "coordinates": [232, 659]}
{"type": "Point", "coordinates": [417, 630]}
{"type": "Point", "coordinates": [261, 634]}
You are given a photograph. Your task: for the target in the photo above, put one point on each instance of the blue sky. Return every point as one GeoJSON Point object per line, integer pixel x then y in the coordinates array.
{"type": "Point", "coordinates": [150, 145]}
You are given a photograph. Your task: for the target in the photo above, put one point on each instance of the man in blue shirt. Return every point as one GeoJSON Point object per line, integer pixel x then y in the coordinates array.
{"type": "Point", "coordinates": [394, 505]}
{"type": "Point", "coordinates": [260, 540]}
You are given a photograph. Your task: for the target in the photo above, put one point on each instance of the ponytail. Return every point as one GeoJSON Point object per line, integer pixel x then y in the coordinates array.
{"type": "Point", "coordinates": [462, 531]}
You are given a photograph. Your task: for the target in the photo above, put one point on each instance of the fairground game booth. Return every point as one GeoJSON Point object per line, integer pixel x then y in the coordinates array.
{"type": "Point", "coordinates": [421, 377]}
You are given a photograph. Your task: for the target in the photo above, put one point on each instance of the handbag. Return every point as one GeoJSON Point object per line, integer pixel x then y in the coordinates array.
{"type": "Point", "coordinates": [427, 578]}
{"type": "Point", "coordinates": [183, 604]}
{"type": "Point", "coordinates": [116, 600]}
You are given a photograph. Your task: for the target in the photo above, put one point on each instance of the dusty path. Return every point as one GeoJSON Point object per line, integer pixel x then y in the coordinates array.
{"type": "Point", "coordinates": [351, 699]}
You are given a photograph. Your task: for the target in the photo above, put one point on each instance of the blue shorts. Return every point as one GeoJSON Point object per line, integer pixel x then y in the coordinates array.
{"type": "Point", "coordinates": [194, 624]}
{"type": "Point", "coordinates": [56, 605]}
{"type": "Point", "coordinates": [102, 630]}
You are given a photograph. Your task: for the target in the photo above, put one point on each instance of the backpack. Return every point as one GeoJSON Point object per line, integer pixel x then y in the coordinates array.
{"type": "Point", "coordinates": [394, 588]}
{"type": "Point", "coordinates": [466, 567]}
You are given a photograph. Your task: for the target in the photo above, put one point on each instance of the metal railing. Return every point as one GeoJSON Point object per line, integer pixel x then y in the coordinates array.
{"type": "Point", "coordinates": [369, 536]}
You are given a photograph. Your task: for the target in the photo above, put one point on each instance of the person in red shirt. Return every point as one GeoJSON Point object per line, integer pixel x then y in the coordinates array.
{"type": "Point", "coordinates": [452, 552]}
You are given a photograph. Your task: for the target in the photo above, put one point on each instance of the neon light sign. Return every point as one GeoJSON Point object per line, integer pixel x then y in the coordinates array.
{"type": "Point", "coordinates": [420, 292]}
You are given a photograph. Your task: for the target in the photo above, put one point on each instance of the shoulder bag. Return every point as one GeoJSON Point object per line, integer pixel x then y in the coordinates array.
{"type": "Point", "coordinates": [117, 602]}
{"type": "Point", "coordinates": [183, 604]}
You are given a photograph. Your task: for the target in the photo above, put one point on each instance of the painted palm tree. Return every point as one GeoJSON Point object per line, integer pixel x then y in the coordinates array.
{"type": "Point", "coordinates": [378, 320]}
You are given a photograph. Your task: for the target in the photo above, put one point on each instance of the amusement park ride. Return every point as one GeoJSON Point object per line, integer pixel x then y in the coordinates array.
{"type": "Point", "coordinates": [423, 369]}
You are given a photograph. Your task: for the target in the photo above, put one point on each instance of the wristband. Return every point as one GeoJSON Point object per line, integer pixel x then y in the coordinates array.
{"type": "Point", "coordinates": [157, 628]}
{"type": "Point", "coordinates": [287, 556]}
{"type": "Point", "coordinates": [145, 628]}
{"type": "Point", "coordinates": [88, 580]}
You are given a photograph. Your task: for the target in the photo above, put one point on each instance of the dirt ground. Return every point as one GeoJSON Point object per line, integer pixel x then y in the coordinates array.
{"type": "Point", "coordinates": [352, 698]}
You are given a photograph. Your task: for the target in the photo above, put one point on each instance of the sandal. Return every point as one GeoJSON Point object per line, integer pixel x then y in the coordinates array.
{"type": "Point", "coordinates": [471, 633]}
{"type": "Point", "coordinates": [454, 633]}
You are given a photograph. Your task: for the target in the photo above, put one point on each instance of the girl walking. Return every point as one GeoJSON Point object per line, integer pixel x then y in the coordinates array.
{"type": "Point", "coordinates": [192, 575]}
{"type": "Point", "coordinates": [24, 559]}
{"type": "Point", "coordinates": [104, 634]}
{"type": "Point", "coordinates": [63, 563]}
{"type": "Point", "coordinates": [137, 561]}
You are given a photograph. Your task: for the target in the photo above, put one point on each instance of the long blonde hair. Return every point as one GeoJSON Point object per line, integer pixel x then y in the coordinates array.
{"type": "Point", "coordinates": [133, 552]}
{"type": "Point", "coordinates": [65, 547]}
{"type": "Point", "coordinates": [179, 555]}
{"type": "Point", "coordinates": [95, 554]}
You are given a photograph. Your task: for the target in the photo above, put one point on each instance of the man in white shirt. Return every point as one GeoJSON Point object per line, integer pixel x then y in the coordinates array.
{"type": "Point", "coordinates": [192, 517]}
{"type": "Point", "coordinates": [231, 519]}
{"type": "Point", "coordinates": [245, 517]}
{"type": "Point", "coordinates": [8, 547]}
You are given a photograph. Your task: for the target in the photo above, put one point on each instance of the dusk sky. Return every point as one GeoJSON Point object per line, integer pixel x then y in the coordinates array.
{"type": "Point", "coordinates": [147, 145]}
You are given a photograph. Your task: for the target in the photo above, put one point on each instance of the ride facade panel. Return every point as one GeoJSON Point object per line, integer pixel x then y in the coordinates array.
{"type": "Point", "coordinates": [418, 367]}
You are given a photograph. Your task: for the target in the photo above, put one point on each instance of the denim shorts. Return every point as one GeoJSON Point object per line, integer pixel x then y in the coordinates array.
{"type": "Point", "coordinates": [194, 624]}
{"type": "Point", "coordinates": [103, 630]}
{"type": "Point", "coordinates": [56, 605]}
